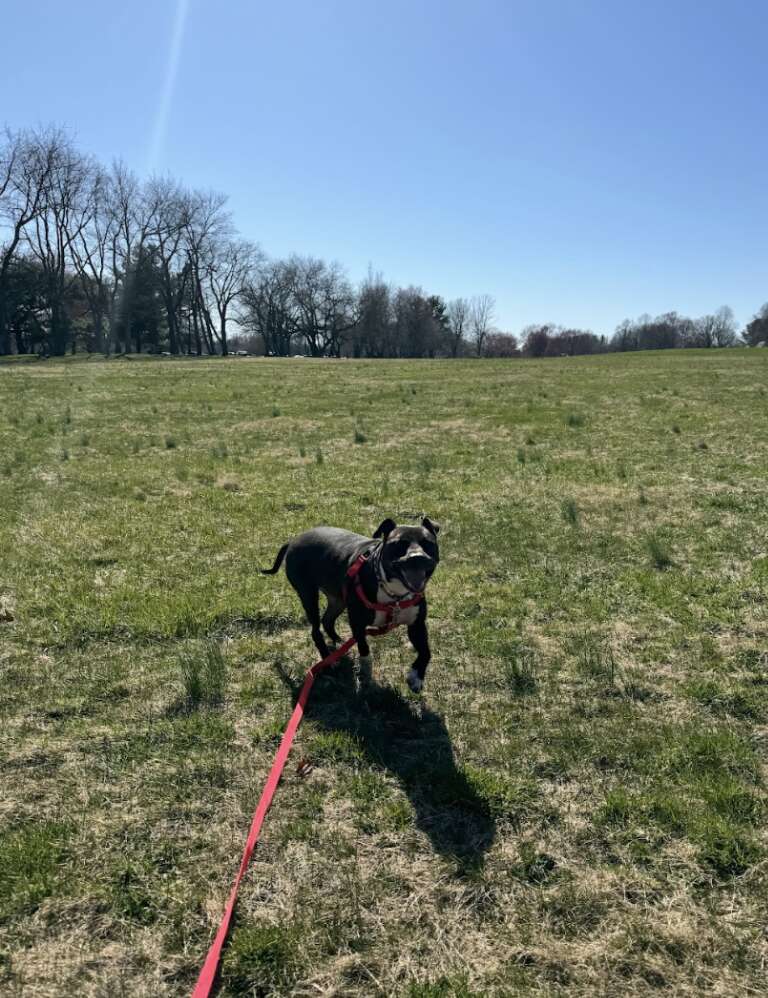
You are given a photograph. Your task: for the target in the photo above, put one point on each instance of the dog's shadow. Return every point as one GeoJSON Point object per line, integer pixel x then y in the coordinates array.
{"type": "Point", "coordinates": [407, 738]}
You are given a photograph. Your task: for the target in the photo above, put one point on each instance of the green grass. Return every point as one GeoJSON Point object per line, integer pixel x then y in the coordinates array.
{"type": "Point", "coordinates": [661, 557]}
{"type": "Point", "coordinates": [30, 866]}
{"type": "Point", "coordinates": [204, 675]}
{"type": "Point", "coordinates": [262, 960]}
{"type": "Point", "coordinates": [577, 803]}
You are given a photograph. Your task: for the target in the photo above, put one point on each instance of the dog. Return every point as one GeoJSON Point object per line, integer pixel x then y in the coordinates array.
{"type": "Point", "coordinates": [393, 574]}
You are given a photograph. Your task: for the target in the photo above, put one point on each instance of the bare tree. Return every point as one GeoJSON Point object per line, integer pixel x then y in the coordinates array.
{"type": "Point", "coordinates": [373, 330]}
{"type": "Point", "coordinates": [269, 309]}
{"type": "Point", "coordinates": [417, 329]}
{"type": "Point", "coordinates": [25, 165]}
{"type": "Point", "coordinates": [704, 331]}
{"type": "Point", "coordinates": [65, 211]}
{"type": "Point", "coordinates": [132, 210]}
{"type": "Point", "coordinates": [169, 214]}
{"type": "Point", "coordinates": [481, 311]}
{"type": "Point", "coordinates": [207, 228]}
{"type": "Point", "coordinates": [537, 339]}
{"type": "Point", "coordinates": [227, 269]}
{"type": "Point", "coordinates": [726, 329]}
{"type": "Point", "coordinates": [498, 344]}
{"type": "Point", "coordinates": [717, 330]}
{"type": "Point", "coordinates": [325, 303]}
{"type": "Point", "coordinates": [91, 248]}
{"type": "Point", "coordinates": [458, 323]}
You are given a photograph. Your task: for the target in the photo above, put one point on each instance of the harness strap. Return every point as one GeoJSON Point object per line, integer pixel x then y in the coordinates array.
{"type": "Point", "coordinates": [353, 573]}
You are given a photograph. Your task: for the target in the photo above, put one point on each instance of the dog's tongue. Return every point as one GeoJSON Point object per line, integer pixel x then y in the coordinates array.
{"type": "Point", "coordinates": [415, 578]}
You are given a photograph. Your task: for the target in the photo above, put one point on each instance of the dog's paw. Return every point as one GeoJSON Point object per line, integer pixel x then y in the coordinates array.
{"type": "Point", "coordinates": [364, 671]}
{"type": "Point", "coordinates": [415, 682]}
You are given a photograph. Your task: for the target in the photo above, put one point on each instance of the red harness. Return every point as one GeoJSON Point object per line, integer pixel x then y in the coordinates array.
{"type": "Point", "coordinates": [390, 609]}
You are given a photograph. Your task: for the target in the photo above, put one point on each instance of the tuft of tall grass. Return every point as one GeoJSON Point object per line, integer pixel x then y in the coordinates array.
{"type": "Point", "coordinates": [595, 659]}
{"type": "Point", "coordinates": [203, 675]}
{"type": "Point", "coordinates": [262, 959]}
{"type": "Point", "coordinates": [661, 556]}
{"type": "Point", "coordinates": [519, 668]}
{"type": "Point", "coordinates": [570, 512]}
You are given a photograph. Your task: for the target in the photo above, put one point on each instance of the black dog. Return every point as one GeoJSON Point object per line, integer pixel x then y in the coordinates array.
{"type": "Point", "coordinates": [397, 565]}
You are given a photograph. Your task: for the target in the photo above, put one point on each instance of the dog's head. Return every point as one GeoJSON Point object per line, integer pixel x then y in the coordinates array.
{"type": "Point", "coordinates": [409, 554]}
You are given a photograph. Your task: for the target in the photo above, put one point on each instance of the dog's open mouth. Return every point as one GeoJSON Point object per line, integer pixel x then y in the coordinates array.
{"type": "Point", "coordinates": [414, 576]}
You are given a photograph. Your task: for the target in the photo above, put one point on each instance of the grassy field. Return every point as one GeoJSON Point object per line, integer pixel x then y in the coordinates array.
{"type": "Point", "coordinates": [575, 806]}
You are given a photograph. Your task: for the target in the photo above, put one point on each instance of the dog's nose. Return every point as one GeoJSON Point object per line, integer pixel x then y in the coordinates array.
{"type": "Point", "coordinates": [416, 554]}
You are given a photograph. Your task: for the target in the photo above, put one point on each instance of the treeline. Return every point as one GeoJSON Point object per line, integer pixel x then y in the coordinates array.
{"type": "Point", "coordinates": [669, 331]}
{"type": "Point", "coordinates": [92, 258]}
{"type": "Point", "coordinates": [95, 259]}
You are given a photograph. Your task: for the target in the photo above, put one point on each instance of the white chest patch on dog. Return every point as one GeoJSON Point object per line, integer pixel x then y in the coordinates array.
{"type": "Point", "coordinates": [405, 616]}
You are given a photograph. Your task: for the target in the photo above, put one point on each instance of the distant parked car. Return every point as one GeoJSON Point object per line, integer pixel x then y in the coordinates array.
{"type": "Point", "coordinates": [242, 353]}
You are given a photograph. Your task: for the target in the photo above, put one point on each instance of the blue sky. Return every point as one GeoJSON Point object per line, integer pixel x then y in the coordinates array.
{"type": "Point", "coordinates": [581, 161]}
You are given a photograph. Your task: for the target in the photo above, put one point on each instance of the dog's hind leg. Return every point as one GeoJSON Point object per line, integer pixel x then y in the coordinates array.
{"type": "Point", "coordinates": [331, 615]}
{"type": "Point", "coordinates": [310, 600]}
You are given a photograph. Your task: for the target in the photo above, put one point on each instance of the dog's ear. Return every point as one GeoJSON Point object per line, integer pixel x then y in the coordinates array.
{"type": "Point", "coordinates": [431, 526]}
{"type": "Point", "coordinates": [385, 528]}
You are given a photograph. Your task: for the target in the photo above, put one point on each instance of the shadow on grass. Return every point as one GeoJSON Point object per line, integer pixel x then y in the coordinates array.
{"type": "Point", "coordinates": [407, 738]}
{"type": "Point", "coordinates": [265, 623]}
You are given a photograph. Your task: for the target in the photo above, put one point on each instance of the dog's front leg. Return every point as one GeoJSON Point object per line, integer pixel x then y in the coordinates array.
{"type": "Point", "coordinates": [358, 623]}
{"type": "Point", "coordinates": [364, 650]}
{"type": "Point", "coordinates": [417, 632]}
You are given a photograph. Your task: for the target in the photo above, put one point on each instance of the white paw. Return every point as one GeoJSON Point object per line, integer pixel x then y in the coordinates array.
{"type": "Point", "coordinates": [415, 682]}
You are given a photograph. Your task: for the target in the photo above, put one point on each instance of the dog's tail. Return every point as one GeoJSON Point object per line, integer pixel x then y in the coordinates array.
{"type": "Point", "coordinates": [277, 564]}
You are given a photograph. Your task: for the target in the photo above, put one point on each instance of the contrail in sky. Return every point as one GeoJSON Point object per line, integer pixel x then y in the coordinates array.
{"type": "Point", "coordinates": [171, 71]}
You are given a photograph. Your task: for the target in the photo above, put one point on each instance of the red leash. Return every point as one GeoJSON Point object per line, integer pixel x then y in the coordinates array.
{"type": "Point", "coordinates": [212, 960]}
